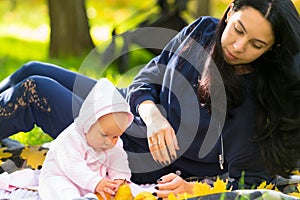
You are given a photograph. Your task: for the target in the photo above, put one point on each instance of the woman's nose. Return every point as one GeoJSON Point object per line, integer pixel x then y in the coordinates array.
{"type": "Point", "coordinates": [239, 45]}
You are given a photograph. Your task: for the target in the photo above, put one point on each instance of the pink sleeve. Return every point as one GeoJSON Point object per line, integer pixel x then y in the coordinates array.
{"type": "Point", "coordinates": [70, 156]}
{"type": "Point", "coordinates": [118, 164]}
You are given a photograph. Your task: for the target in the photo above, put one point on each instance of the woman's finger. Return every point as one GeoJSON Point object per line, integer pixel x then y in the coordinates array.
{"type": "Point", "coordinates": [154, 147]}
{"type": "Point", "coordinates": [171, 144]}
{"type": "Point", "coordinates": [155, 153]}
{"type": "Point", "coordinates": [164, 157]}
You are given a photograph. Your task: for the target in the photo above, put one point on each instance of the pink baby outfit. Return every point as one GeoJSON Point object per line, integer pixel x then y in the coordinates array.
{"type": "Point", "coordinates": [72, 168]}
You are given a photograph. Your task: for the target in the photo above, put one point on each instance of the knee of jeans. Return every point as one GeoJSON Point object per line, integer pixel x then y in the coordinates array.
{"type": "Point", "coordinates": [40, 80]}
{"type": "Point", "coordinates": [31, 66]}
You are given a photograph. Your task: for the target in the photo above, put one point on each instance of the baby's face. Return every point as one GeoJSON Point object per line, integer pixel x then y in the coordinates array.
{"type": "Point", "coordinates": [105, 132]}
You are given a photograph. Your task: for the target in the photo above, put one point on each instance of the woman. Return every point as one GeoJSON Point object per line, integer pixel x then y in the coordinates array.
{"type": "Point", "coordinates": [221, 99]}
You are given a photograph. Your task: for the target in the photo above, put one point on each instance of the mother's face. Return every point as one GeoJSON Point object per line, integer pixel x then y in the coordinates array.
{"type": "Point", "coordinates": [246, 37]}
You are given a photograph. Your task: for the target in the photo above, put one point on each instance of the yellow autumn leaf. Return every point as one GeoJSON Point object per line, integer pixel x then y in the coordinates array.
{"type": "Point", "coordinates": [34, 156]}
{"type": "Point", "coordinates": [296, 172]}
{"type": "Point", "coordinates": [124, 193]}
{"type": "Point", "coordinates": [4, 154]}
{"type": "Point", "coordinates": [171, 196]}
{"type": "Point", "coordinates": [270, 186]}
{"type": "Point", "coordinates": [201, 189]}
{"type": "Point", "coordinates": [145, 196]}
{"type": "Point", "coordinates": [219, 186]}
{"type": "Point", "coordinates": [264, 185]}
{"type": "Point", "coordinates": [295, 194]}
{"type": "Point", "coordinates": [185, 196]}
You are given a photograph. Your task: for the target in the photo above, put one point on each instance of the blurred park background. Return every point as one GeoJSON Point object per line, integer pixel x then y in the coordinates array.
{"type": "Point", "coordinates": [79, 26]}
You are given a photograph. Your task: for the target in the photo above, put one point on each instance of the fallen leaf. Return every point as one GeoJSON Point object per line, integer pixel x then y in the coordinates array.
{"type": "Point", "coordinates": [264, 185]}
{"type": "Point", "coordinates": [220, 186]}
{"type": "Point", "coordinates": [4, 154]}
{"type": "Point", "coordinates": [34, 155]}
{"type": "Point", "coordinates": [201, 189]}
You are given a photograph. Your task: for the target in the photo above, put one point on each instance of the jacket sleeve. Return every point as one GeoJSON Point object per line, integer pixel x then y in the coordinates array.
{"type": "Point", "coordinates": [148, 82]}
{"type": "Point", "coordinates": [71, 161]}
{"type": "Point", "coordinates": [118, 167]}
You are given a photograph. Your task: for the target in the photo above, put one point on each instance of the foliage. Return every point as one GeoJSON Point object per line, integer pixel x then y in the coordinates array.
{"type": "Point", "coordinates": [34, 137]}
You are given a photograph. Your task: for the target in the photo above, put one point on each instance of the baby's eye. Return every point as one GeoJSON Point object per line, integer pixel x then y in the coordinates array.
{"type": "Point", "coordinates": [104, 135]}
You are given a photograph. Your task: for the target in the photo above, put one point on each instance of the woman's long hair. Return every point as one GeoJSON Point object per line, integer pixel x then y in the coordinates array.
{"type": "Point", "coordinates": [277, 85]}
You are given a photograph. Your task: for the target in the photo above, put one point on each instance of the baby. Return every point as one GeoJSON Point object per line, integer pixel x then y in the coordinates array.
{"type": "Point", "coordinates": [87, 157]}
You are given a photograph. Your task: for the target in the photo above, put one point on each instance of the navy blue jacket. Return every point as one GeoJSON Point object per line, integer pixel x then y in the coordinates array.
{"type": "Point", "coordinates": [171, 81]}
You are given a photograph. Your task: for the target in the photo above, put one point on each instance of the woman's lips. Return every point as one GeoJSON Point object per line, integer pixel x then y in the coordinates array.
{"type": "Point", "coordinates": [229, 55]}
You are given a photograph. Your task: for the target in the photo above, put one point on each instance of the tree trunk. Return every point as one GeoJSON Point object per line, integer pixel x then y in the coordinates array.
{"type": "Point", "coordinates": [70, 31]}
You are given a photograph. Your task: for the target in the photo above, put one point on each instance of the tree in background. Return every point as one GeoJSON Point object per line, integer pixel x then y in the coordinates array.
{"type": "Point", "coordinates": [70, 31]}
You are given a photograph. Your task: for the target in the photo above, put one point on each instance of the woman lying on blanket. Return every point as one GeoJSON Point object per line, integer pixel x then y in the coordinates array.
{"type": "Point", "coordinates": [71, 167]}
{"type": "Point", "coordinates": [222, 97]}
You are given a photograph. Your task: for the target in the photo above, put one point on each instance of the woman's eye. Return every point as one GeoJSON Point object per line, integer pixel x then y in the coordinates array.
{"type": "Point", "coordinates": [239, 31]}
{"type": "Point", "coordinates": [257, 46]}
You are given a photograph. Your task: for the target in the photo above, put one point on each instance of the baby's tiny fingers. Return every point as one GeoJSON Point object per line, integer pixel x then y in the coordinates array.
{"type": "Point", "coordinates": [109, 191]}
{"type": "Point", "coordinates": [102, 194]}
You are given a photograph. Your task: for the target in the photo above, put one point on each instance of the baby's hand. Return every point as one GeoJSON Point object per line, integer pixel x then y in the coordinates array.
{"type": "Point", "coordinates": [107, 186]}
{"type": "Point", "coordinates": [119, 183]}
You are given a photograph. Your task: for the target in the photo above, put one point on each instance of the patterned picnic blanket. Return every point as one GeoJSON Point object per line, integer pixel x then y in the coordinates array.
{"type": "Point", "coordinates": [25, 161]}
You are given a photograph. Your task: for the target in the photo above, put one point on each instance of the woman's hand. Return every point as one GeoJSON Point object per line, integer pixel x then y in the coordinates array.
{"type": "Point", "coordinates": [106, 186]}
{"type": "Point", "coordinates": [173, 183]}
{"type": "Point", "coordinates": [162, 140]}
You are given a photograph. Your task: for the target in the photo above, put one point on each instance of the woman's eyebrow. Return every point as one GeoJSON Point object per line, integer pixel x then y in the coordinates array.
{"type": "Point", "coordinates": [241, 24]}
{"type": "Point", "coordinates": [244, 29]}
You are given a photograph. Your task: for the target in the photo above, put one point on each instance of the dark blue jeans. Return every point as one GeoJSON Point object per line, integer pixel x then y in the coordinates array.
{"type": "Point", "coordinates": [42, 94]}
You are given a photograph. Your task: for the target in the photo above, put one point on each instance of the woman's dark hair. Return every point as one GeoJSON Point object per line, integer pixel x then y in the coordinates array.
{"type": "Point", "coordinates": [277, 84]}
